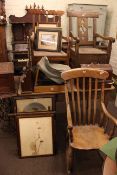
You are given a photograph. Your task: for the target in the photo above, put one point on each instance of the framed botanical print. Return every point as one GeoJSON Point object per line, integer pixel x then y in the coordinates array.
{"type": "Point", "coordinates": [49, 39]}
{"type": "Point", "coordinates": [35, 133]}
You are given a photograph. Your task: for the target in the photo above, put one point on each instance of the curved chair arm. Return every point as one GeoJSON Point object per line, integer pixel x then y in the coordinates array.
{"type": "Point", "coordinates": [111, 39]}
{"type": "Point", "coordinates": [108, 114]}
{"type": "Point", "coordinates": [66, 42]}
{"type": "Point", "coordinates": [77, 40]}
{"type": "Point", "coordinates": [74, 41]}
{"type": "Point", "coordinates": [109, 46]}
{"type": "Point", "coordinates": [65, 38]}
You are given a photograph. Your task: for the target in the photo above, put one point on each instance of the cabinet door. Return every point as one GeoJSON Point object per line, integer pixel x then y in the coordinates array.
{"type": "Point", "coordinates": [3, 49]}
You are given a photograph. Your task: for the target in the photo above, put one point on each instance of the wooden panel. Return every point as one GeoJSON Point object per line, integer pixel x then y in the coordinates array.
{"type": "Point", "coordinates": [6, 67]}
{"type": "Point", "coordinates": [7, 84]}
{"type": "Point", "coordinates": [3, 49]}
{"type": "Point", "coordinates": [53, 88]}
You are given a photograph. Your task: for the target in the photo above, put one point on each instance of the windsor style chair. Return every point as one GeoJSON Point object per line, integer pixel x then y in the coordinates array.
{"type": "Point", "coordinates": [90, 125]}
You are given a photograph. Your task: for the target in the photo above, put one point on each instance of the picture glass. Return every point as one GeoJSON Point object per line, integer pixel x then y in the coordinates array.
{"type": "Point", "coordinates": [34, 104]}
{"type": "Point", "coordinates": [48, 40]}
{"type": "Point", "coordinates": [35, 136]}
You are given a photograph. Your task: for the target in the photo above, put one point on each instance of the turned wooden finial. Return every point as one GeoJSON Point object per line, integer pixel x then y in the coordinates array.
{"type": "Point", "coordinates": [38, 7]}
{"type": "Point", "coordinates": [42, 7]}
{"type": "Point", "coordinates": [34, 5]}
{"type": "Point", "coordinates": [26, 7]}
{"type": "Point", "coordinates": [30, 7]}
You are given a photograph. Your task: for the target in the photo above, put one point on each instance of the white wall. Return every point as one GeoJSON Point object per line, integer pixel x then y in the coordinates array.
{"type": "Point", "coordinates": [112, 29]}
{"type": "Point", "coordinates": [17, 8]}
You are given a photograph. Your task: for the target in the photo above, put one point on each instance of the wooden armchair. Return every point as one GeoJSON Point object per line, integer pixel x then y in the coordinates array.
{"type": "Point", "coordinates": [90, 125]}
{"type": "Point", "coordinates": [87, 46]}
{"type": "Point", "coordinates": [47, 18]}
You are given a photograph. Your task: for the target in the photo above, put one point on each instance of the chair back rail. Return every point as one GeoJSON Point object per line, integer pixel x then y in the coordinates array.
{"type": "Point", "coordinates": [86, 22]}
{"type": "Point", "coordinates": [83, 94]}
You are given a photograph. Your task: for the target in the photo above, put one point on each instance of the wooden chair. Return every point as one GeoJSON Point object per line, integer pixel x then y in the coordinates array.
{"type": "Point", "coordinates": [87, 46]}
{"type": "Point", "coordinates": [47, 17]}
{"type": "Point", "coordinates": [90, 125]}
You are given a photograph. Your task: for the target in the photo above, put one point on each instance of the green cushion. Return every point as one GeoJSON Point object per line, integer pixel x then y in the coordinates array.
{"type": "Point", "coordinates": [110, 148]}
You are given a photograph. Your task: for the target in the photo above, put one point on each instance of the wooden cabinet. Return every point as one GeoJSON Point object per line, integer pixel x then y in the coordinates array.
{"type": "Point", "coordinates": [20, 31]}
{"type": "Point", "coordinates": [3, 48]}
{"type": "Point", "coordinates": [101, 9]}
{"type": "Point", "coordinates": [22, 26]}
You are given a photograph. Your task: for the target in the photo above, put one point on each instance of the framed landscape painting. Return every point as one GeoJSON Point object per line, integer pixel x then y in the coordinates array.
{"type": "Point", "coordinates": [49, 39]}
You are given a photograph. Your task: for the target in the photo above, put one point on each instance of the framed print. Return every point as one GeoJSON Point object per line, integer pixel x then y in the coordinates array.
{"type": "Point", "coordinates": [34, 104]}
{"type": "Point", "coordinates": [35, 133]}
{"type": "Point", "coordinates": [49, 39]}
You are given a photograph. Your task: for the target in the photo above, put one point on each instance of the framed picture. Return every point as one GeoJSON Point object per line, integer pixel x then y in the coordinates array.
{"type": "Point", "coordinates": [52, 25]}
{"type": "Point", "coordinates": [34, 104]}
{"type": "Point", "coordinates": [49, 39]}
{"type": "Point", "coordinates": [35, 134]}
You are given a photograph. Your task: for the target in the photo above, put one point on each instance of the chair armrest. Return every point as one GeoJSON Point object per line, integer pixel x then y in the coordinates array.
{"type": "Point", "coordinates": [74, 41]}
{"type": "Point", "coordinates": [65, 42]}
{"type": "Point", "coordinates": [111, 39]}
{"type": "Point", "coordinates": [77, 40]}
{"type": "Point", "coordinates": [108, 114]}
{"type": "Point", "coordinates": [65, 38]}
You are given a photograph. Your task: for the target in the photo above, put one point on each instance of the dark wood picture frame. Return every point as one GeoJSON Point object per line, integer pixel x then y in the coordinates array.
{"type": "Point", "coordinates": [35, 133]}
{"type": "Point", "coordinates": [48, 39]}
{"type": "Point", "coordinates": [34, 103]}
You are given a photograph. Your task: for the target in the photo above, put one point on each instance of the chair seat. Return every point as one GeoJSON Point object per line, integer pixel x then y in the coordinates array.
{"type": "Point", "coordinates": [88, 137]}
{"type": "Point", "coordinates": [90, 50]}
{"type": "Point", "coordinates": [53, 54]}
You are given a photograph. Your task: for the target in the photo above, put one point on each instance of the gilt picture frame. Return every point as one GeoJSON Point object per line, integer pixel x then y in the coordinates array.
{"type": "Point", "coordinates": [49, 39]}
{"type": "Point", "coordinates": [35, 134]}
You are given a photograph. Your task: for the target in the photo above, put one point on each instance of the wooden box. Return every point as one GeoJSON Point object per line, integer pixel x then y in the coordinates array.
{"type": "Point", "coordinates": [7, 78]}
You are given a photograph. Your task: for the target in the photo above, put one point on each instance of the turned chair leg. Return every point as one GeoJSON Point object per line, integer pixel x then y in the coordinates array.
{"type": "Point", "coordinates": [69, 155]}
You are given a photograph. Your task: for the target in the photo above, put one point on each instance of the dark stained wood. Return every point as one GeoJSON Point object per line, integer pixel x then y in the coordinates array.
{"type": "Point", "coordinates": [7, 85]}
{"type": "Point", "coordinates": [41, 16]}
{"type": "Point", "coordinates": [23, 27]}
{"type": "Point", "coordinates": [82, 14]}
{"type": "Point", "coordinates": [3, 48]}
